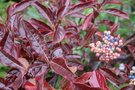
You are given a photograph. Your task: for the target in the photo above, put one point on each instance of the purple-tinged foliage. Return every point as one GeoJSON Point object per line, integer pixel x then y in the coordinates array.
{"type": "Point", "coordinates": [34, 49]}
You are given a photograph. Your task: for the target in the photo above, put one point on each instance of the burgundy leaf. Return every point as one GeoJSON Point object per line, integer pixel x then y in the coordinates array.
{"type": "Point", "coordinates": [37, 69]}
{"type": "Point", "coordinates": [98, 80]}
{"type": "Point", "coordinates": [45, 12]}
{"type": "Point", "coordinates": [8, 45]}
{"type": "Point", "coordinates": [87, 20]}
{"type": "Point", "coordinates": [128, 88]}
{"type": "Point", "coordinates": [10, 11]}
{"type": "Point", "coordinates": [71, 22]}
{"type": "Point", "coordinates": [60, 67]}
{"type": "Point", "coordinates": [71, 31]}
{"type": "Point", "coordinates": [116, 12]}
{"type": "Point", "coordinates": [40, 82]}
{"type": "Point", "coordinates": [30, 86]}
{"type": "Point", "coordinates": [36, 40]}
{"type": "Point", "coordinates": [2, 43]}
{"type": "Point", "coordinates": [53, 80]}
{"type": "Point", "coordinates": [66, 7]}
{"type": "Point", "coordinates": [84, 78]}
{"type": "Point", "coordinates": [81, 6]}
{"type": "Point", "coordinates": [80, 86]}
{"type": "Point", "coordinates": [106, 22]}
{"type": "Point", "coordinates": [14, 79]}
{"type": "Point", "coordinates": [59, 34]}
{"type": "Point", "coordinates": [67, 48]}
{"type": "Point", "coordinates": [40, 25]}
{"type": "Point", "coordinates": [1, 31]}
{"type": "Point", "coordinates": [60, 13]}
{"type": "Point", "coordinates": [3, 87]}
{"type": "Point", "coordinates": [63, 10]}
{"type": "Point", "coordinates": [132, 50]}
{"type": "Point", "coordinates": [100, 34]}
{"type": "Point", "coordinates": [58, 52]}
{"type": "Point", "coordinates": [78, 65]}
{"type": "Point", "coordinates": [16, 23]}
{"type": "Point", "coordinates": [22, 5]}
{"type": "Point", "coordinates": [68, 86]}
{"type": "Point", "coordinates": [114, 28]}
{"type": "Point", "coordinates": [113, 2]}
{"type": "Point", "coordinates": [9, 61]}
{"type": "Point", "coordinates": [86, 0]}
{"type": "Point", "coordinates": [45, 32]}
{"type": "Point", "coordinates": [1, 79]}
{"type": "Point", "coordinates": [127, 69]}
{"type": "Point", "coordinates": [90, 32]}
{"type": "Point", "coordinates": [24, 62]}
{"type": "Point", "coordinates": [73, 56]}
{"type": "Point", "coordinates": [78, 15]}
{"type": "Point", "coordinates": [11, 21]}
{"type": "Point", "coordinates": [109, 74]}
{"type": "Point", "coordinates": [47, 86]}
{"type": "Point", "coordinates": [130, 40]}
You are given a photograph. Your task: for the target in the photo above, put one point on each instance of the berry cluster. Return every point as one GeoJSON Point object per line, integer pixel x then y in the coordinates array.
{"type": "Point", "coordinates": [132, 76]}
{"type": "Point", "coordinates": [108, 48]}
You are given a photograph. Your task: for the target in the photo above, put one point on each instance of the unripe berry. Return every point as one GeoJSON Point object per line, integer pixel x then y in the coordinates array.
{"type": "Point", "coordinates": [109, 32]}
{"type": "Point", "coordinates": [133, 68]}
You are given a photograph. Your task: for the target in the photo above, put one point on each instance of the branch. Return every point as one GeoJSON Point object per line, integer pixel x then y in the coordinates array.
{"type": "Point", "coordinates": [125, 56]}
{"type": "Point", "coordinates": [114, 84]}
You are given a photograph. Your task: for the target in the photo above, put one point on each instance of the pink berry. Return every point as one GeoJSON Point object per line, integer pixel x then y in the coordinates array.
{"type": "Point", "coordinates": [97, 54]}
{"type": "Point", "coordinates": [107, 59]}
{"type": "Point", "coordinates": [106, 38]}
{"type": "Point", "coordinates": [116, 43]}
{"type": "Point", "coordinates": [111, 44]}
{"type": "Point", "coordinates": [118, 49]}
{"type": "Point", "coordinates": [92, 49]}
{"type": "Point", "coordinates": [114, 57]}
{"type": "Point", "coordinates": [105, 41]}
{"type": "Point", "coordinates": [112, 37]}
{"type": "Point", "coordinates": [107, 53]}
{"type": "Point", "coordinates": [118, 54]}
{"type": "Point", "coordinates": [101, 58]}
{"type": "Point", "coordinates": [120, 41]}
{"type": "Point", "coordinates": [105, 31]}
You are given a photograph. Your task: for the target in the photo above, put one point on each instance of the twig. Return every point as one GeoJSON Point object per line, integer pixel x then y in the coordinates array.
{"type": "Point", "coordinates": [96, 67]}
{"type": "Point", "coordinates": [113, 84]}
{"type": "Point", "coordinates": [125, 56]}
{"type": "Point", "coordinates": [128, 41]}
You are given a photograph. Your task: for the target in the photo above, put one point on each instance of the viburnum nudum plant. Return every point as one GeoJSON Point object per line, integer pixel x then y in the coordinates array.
{"type": "Point", "coordinates": [39, 52]}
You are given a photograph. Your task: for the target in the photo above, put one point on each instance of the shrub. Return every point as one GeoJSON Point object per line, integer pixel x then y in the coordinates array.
{"type": "Point", "coordinates": [55, 53]}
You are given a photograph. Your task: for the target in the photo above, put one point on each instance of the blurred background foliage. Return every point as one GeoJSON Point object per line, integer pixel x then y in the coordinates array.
{"type": "Point", "coordinates": [127, 27]}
